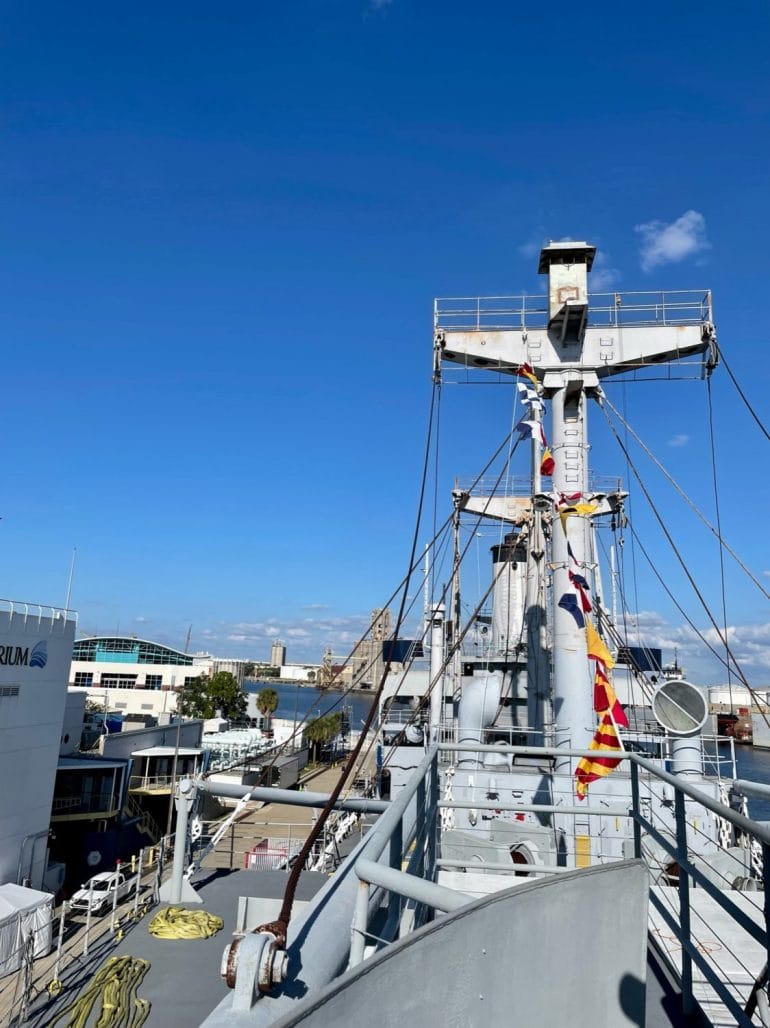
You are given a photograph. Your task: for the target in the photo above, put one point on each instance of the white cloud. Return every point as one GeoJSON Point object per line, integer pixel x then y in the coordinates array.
{"type": "Point", "coordinates": [307, 637]}
{"type": "Point", "coordinates": [603, 276]}
{"type": "Point", "coordinates": [664, 243]}
{"type": "Point", "coordinates": [531, 248]}
{"type": "Point", "coordinates": [679, 440]}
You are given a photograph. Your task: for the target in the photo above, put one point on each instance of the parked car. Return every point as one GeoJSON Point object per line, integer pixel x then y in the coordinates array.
{"type": "Point", "coordinates": [101, 890]}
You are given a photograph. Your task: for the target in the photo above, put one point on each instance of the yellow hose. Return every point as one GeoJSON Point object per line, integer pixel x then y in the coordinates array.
{"type": "Point", "coordinates": [112, 995]}
{"type": "Point", "coordinates": [178, 923]}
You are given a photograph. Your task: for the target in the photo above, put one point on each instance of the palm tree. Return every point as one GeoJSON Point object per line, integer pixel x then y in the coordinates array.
{"type": "Point", "coordinates": [267, 703]}
{"type": "Point", "coordinates": [321, 731]}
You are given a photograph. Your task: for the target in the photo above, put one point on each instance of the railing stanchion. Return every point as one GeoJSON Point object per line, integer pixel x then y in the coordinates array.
{"type": "Point", "coordinates": [635, 808]}
{"type": "Point", "coordinates": [360, 919]}
{"type": "Point", "coordinates": [421, 822]}
{"type": "Point", "coordinates": [766, 898]}
{"type": "Point", "coordinates": [684, 902]}
{"type": "Point", "coordinates": [139, 862]}
{"type": "Point", "coordinates": [396, 855]}
{"type": "Point", "coordinates": [88, 917]}
{"type": "Point", "coordinates": [433, 822]}
{"type": "Point", "coordinates": [60, 941]}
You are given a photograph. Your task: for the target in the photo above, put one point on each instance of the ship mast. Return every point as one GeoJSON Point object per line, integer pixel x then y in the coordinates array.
{"type": "Point", "coordinates": [567, 266]}
{"type": "Point", "coordinates": [569, 357]}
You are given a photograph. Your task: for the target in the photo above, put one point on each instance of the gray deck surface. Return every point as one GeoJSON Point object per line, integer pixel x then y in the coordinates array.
{"type": "Point", "coordinates": [183, 982]}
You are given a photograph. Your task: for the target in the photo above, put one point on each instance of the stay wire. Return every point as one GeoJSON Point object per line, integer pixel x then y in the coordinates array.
{"type": "Point", "coordinates": [742, 395]}
{"type": "Point", "coordinates": [719, 536]}
{"type": "Point", "coordinates": [683, 565]}
{"type": "Point", "coordinates": [280, 927]}
{"type": "Point", "coordinates": [458, 641]}
{"type": "Point", "coordinates": [433, 543]}
{"type": "Point", "coordinates": [714, 531]}
{"type": "Point", "coordinates": [435, 480]}
{"type": "Point", "coordinates": [712, 649]}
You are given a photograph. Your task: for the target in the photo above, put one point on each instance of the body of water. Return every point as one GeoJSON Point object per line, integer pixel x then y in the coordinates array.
{"type": "Point", "coordinates": [753, 764]}
{"type": "Point", "coordinates": [300, 700]}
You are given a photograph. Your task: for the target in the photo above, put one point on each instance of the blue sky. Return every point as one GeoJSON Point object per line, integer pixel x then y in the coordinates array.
{"type": "Point", "coordinates": [223, 227]}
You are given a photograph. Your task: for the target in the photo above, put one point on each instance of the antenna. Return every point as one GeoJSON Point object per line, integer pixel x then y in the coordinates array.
{"type": "Point", "coordinates": [69, 581]}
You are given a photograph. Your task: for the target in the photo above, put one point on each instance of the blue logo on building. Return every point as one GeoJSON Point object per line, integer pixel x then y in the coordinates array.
{"type": "Point", "coordinates": [39, 655]}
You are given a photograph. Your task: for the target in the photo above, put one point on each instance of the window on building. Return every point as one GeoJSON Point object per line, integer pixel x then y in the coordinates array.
{"type": "Point", "coordinates": [190, 679]}
{"type": "Point", "coordinates": [9, 690]}
{"type": "Point", "coordinates": [153, 681]}
{"type": "Point", "coordinates": [118, 681]}
{"type": "Point", "coordinates": [84, 678]}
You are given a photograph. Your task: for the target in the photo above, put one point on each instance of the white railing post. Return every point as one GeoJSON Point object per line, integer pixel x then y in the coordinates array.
{"type": "Point", "coordinates": [115, 896]}
{"type": "Point", "coordinates": [88, 917]}
{"type": "Point", "coordinates": [138, 881]}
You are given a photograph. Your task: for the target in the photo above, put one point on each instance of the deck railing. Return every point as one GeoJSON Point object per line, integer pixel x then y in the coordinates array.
{"type": "Point", "coordinates": [737, 882]}
{"type": "Point", "coordinates": [498, 313]}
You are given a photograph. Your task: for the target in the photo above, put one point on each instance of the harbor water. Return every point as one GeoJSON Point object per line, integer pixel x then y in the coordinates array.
{"type": "Point", "coordinates": [296, 700]}
{"type": "Point", "coordinates": [754, 765]}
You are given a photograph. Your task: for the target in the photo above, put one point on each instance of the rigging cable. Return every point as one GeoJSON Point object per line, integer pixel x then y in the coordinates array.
{"type": "Point", "coordinates": [719, 531]}
{"type": "Point", "coordinates": [743, 396]}
{"type": "Point", "coordinates": [709, 646]}
{"type": "Point", "coordinates": [714, 531]}
{"type": "Point", "coordinates": [443, 528]}
{"type": "Point", "coordinates": [279, 927]}
{"type": "Point", "coordinates": [683, 564]}
{"type": "Point", "coordinates": [435, 481]}
{"type": "Point", "coordinates": [455, 648]}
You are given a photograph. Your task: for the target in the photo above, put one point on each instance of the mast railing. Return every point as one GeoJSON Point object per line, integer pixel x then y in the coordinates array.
{"type": "Point", "coordinates": [660, 307]}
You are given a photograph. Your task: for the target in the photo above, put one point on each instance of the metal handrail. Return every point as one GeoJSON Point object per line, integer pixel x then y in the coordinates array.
{"type": "Point", "coordinates": [424, 862]}
{"type": "Point", "coordinates": [655, 307]}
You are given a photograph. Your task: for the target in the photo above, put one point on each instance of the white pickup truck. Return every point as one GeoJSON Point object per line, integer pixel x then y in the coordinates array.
{"type": "Point", "coordinates": [101, 889]}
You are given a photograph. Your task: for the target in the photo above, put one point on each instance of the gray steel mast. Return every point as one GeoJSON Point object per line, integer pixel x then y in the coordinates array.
{"type": "Point", "coordinates": [570, 354]}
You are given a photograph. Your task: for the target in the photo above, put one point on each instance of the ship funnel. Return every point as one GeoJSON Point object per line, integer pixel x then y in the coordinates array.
{"type": "Point", "coordinates": [508, 602]}
{"type": "Point", "coordinates": [681, 709]}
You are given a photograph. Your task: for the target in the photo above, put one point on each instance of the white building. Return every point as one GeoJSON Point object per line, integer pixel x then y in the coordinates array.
{"type": "Point", "coordinates": [136, 676]}
{"type": "Point", "coordinates": [299, 672]}
{"type": "Point", "coordinates": [277, 653]}
{"type": "Point", "coordinates": [35, 651]}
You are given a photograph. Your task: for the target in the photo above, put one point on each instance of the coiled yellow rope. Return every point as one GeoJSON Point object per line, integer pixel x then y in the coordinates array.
{"type": "Point", "coordinates": [178, 923]}
{"type": "Point", "coordinates": [112, 995]}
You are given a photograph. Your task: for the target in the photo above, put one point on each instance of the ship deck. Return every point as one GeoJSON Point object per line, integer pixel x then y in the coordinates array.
{"type": "Point", "coordinates": [183, 983]}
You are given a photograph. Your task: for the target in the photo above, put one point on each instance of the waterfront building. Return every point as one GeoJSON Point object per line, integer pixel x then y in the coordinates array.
{"type": "Point", "coordinates": [277, 653]}
{"type": "Point", "coordinates": [35, 650]}
{"type": "Point", "coordinates": [137, 676]}
{"type": "Point", "coordinates": [299, 672]}
{"type": "Point", "coordinates": [367, 659]}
